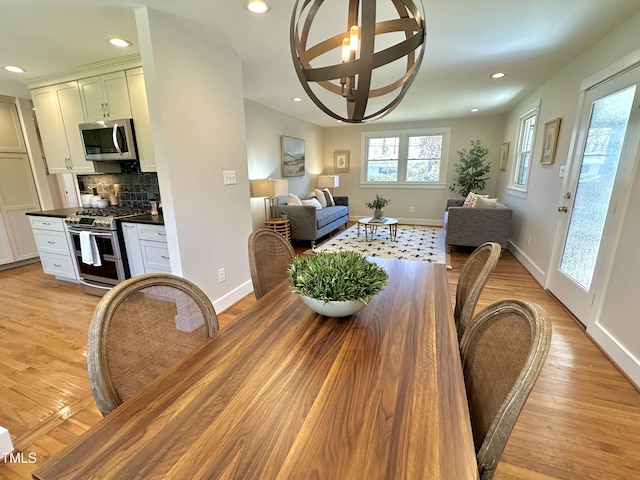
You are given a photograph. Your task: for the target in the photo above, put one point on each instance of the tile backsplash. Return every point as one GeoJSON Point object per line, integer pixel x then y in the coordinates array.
{"type": "Point", "coordinates": [137, 189]}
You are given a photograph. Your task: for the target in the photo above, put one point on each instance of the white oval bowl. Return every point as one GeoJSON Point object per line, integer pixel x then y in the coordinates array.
{"type": "Point", "coordinates": [103, 203]}
{"type": "Point", "coordinates": [333, 309]}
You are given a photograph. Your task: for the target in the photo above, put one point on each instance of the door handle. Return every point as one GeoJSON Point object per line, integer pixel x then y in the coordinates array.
{"type": "Point", "coordinates": [563, 209]}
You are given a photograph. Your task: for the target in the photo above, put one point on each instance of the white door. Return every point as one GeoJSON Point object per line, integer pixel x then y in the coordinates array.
{"type": "Point", "coordinates": [596, 193]}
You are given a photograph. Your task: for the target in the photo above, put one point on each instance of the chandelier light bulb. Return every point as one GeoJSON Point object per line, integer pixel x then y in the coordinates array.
{"type": "Point", "coordinates": [353, 37]}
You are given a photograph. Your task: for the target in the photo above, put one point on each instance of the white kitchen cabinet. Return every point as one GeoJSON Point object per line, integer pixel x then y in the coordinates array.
{"type": "Point", "coordinates": [59, 113]}
{"type": "Point", "coordinates": [11, 139]}
{"type": "Point", "coordinates": [54, 246]}
{"type": "Point", "coordinates": [141, 121]}
{"type": "Point", "coordinates": [147, 250]}
{"type": "Point", "coordinates": [105, 97]}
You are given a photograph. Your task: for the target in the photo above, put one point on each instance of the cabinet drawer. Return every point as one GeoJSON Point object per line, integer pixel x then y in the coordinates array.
{"type": "Point", "coordinates": [58, 265]}
{"type": "Point", "coordinates": [47, 223]}
{"type": "Point", "coordinates": [155, 256]}
{"type": "Point", "coordinates": [51, 242]}
{"type": "Point", "coordinates": [152, 232]}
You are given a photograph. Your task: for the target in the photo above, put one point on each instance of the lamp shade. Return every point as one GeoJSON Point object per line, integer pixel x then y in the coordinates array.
{"type": "Point", "coordinates": [328, 181]}
{"type": "Point", "coordinates": [269, 188]}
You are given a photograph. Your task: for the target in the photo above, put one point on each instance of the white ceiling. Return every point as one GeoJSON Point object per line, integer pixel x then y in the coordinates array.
{"type": "Point", "coordinates": [467, 40]}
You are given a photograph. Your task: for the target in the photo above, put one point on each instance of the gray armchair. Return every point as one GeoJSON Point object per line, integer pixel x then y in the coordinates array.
{"type": "Point", "coordinates": [473, 226]}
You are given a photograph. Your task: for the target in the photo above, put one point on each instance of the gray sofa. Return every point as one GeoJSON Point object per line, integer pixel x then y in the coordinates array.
{"type": "Point", "coordinates": [473, 226]}
{"type": "Point", "coordinates": [310, 224]}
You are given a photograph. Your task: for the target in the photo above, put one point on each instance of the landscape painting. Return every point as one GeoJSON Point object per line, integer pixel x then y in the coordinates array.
{"type": "Point", "coordinates": [292, 156]}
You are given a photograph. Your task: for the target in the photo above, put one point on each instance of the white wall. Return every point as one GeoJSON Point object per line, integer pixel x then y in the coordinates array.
{"type": "Point", "coordinates": [536, 215]}
{"type": "Point", "coordinates": [617, 326]}
{"type": "Point", "coordinates": [194, 88]}
{"type": "Point", "coordinates": [429, 203]}
{"type": "Point", "coordinates": [264, 127]}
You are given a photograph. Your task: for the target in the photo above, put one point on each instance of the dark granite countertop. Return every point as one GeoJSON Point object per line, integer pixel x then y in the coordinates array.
{"type": "Point", "coordinates": [57, 212]}
{"type": "Point", "coordinates": [147, 218]}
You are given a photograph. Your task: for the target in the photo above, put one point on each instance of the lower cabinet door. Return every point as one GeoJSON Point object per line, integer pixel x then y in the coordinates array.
{"type": "Point", "coordinates": [155, 256]}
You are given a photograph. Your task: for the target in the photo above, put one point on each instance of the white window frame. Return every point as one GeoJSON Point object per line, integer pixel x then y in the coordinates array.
{"type": "Point", "coordinates": [402, 157]}
{"type": "Point", "coordinates": [517, 188]}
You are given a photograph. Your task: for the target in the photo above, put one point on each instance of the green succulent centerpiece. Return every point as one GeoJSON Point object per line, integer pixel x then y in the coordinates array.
{"type": "Point", "coordinates": [377, 205]}
{"type": "Point", "coordinates": [343, 280]}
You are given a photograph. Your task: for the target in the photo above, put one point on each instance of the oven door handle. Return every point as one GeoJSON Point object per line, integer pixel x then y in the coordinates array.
{"type": "Point", "coordinates": [115, 138]}
{"type": "Point", "coordinates": [96, 234]}
{"type": "Point", "coordinates": [84, 282]}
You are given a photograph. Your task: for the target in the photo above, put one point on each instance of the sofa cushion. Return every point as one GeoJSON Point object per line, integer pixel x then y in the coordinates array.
{"type": "Point", "coordinates": [329, 214]}
{"type": "Point", "coordinates": [330, 201]}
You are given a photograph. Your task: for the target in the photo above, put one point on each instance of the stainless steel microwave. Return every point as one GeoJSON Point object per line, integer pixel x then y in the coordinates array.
{"type": "Point", "coordinates": [109, 140]}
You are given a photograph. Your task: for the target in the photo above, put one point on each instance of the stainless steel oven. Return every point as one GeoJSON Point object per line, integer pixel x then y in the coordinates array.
{"type": "Point", "coordinates": [108, 266]}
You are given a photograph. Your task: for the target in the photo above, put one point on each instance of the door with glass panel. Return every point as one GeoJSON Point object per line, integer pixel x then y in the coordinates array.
{"type": "Point", "coordinates": [597, 193]}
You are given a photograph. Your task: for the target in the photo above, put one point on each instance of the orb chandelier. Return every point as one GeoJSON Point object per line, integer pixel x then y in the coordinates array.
{"type": "Point", "coordinates": [374, 54]}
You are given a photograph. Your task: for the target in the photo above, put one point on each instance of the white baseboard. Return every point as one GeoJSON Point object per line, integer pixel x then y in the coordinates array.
{"type": "Point", "coordinates": [6, 445]}
{"type": "Point", "coordinates": [531, 267]}
{"type": "Point", "coordinates": [616, 352]}
{"type": "Point", "coordinates": [233, 296]}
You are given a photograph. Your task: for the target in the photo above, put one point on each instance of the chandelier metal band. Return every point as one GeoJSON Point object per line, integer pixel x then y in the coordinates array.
{"type": "Point", "coordinates": [352, 78]}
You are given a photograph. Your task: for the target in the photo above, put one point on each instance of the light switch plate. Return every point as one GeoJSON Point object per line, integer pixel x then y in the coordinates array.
{"type": "Point", "coordinates": [229, 177]}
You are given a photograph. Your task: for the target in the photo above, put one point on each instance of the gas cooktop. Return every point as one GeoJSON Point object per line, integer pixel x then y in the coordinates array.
{"type": "Point", "coordinates": [114, 211]}
{"type": "Point", "coordinates": [101, 218]}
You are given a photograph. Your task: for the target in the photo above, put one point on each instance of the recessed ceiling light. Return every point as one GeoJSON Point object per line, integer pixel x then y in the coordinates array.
{"type": "Point", "coordinates": [474, 110]}
{"type": "Point", "coordinates": [256, 6]}
{"type": "Point", "coordinates": [14, 69]}
{"type": "Point", "coordinates": [296, 99]}
{"type": "Point", "coordinates": [119, 42]}
{"type": "Point", "coordinates": [498, 75]}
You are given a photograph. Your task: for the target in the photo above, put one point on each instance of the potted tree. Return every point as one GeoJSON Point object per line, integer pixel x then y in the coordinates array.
{"type": "Point", "coordinates": [336, 284]}
{"type": "Point", "coordinates": [471, 171]}
{"type": "Point", "coordinates": [377, 205]}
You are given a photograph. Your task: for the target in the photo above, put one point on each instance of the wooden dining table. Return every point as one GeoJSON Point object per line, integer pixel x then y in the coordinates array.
{"type": "Point", "coordinates": [285, 393]}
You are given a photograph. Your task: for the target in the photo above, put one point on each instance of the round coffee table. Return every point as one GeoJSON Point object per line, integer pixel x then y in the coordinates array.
{"type": "Point", "coordinates": [371, 226]}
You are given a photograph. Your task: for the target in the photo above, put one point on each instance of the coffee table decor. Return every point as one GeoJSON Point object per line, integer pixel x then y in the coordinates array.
{"type": "Point", "coordinates": [413, 242]}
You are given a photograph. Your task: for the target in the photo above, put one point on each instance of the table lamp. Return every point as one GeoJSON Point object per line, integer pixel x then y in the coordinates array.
{"type": "Point", "coordinates": [328, 181]}
{"type": "Point", "coordinates": [271, 190]}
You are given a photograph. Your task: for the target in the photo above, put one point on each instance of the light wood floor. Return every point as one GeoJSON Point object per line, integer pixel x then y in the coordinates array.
{"type": "Point", "coordinates": [582, 420]}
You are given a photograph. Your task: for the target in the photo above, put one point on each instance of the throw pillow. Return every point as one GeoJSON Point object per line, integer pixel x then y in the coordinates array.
{"type": "Point", "coordinates": [312, 201]}
{"type": "Point", "coordinates": [320, 196]}
{"type": "Point", "coordinates": [485, 202]}
{"type": "Point", "coordinates": [330, 201]}
{"type": "Point", "coordinates": [470, 201]}
{"type": "Point", "coordinates": [293, 200]}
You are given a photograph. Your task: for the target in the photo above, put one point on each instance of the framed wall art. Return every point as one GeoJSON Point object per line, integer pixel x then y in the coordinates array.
{"type": "Point", "coordinates": [341, 161]}
{"type": "Point", "coordinates": [292, 156]}
{"type": "Point", "coordinates": [550, 139]}
{"type": "Point", "coordinates": [504, 156]}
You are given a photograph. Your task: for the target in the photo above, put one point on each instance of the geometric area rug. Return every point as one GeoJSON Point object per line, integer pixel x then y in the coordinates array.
{"type": "Point", "coordinates": [413, 242]}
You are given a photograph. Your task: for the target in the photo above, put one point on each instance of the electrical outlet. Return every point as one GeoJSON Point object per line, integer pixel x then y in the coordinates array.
{"type": "Point", "coordinates": [221, 275]}
{"type": "Point", "coordinates": [412, 210]}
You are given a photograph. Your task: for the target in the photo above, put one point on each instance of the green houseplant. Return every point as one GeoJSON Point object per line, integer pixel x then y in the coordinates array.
{"type": "Point", "coordinates": [377, 205]}
{"type": "Point", "coordinates": [471, 170]}
{"type": "Point", "coordinates": [336, 283]}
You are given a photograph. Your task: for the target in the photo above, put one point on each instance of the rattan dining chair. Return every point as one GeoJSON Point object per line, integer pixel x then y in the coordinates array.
{"type": "Point", "coordinates": [473, 277]}
{"type": "Point", "coordinates": [503, 351]}
{"type": "Point", "coordinates": [270, 255]}
{"type": "Point", "coordinates": [139, 329]}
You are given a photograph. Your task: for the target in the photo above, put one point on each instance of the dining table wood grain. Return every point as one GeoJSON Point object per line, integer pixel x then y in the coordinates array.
{"type": "Point", "coordinates": [285, 393]}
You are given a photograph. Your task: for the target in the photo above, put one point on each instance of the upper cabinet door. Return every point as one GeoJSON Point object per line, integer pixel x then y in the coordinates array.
{"type": "Point", "coordinates": [141, 120]}
{"type": "Point", "coordinates": [11, 139]}
{"type": "Point", "coordinates": [105, 97]}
